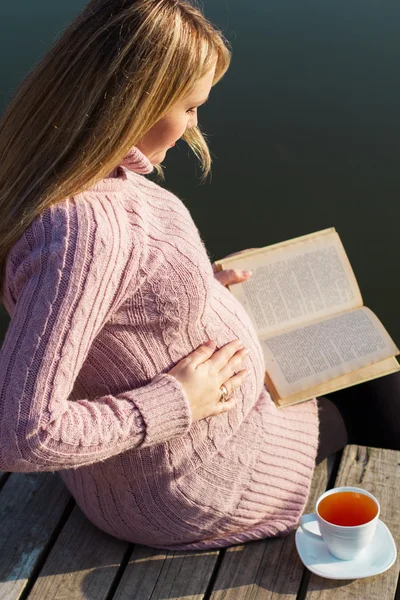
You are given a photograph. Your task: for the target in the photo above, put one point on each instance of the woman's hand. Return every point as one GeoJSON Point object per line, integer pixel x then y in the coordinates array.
{"type": "Point", "coordinates": [202, 373]}
{"type": "Point", "coordinates": [231, 276]}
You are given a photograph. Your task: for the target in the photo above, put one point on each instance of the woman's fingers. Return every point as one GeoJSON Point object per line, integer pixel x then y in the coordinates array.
{"type": "Point", "coordinates": [232, 384]}
{"type": "Point", "coordinates": [199, 373]}
{"type": "Point", "coordinates": [233, 365]}
{"type": "Point", "coordinates": [232, 276]}
{"type": "Point", "coordinates": [201, 354]}
{"type": "Point", "coordinates": [214, 266]}
{"type": "Point", "coordinates": [227, 405]}
{"type": "Point", "coordinates": [224, 361]}
{"type": "Point", "coordinates": [221, 357]}
{"type": "Point", "coordinates": [218, 358]}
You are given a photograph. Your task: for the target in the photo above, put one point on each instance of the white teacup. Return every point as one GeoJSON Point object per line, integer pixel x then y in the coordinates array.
{"type": "Point", "coordinates": [343, 541]}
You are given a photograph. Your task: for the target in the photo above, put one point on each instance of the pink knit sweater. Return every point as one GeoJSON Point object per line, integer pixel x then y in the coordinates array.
{"type": "Point", "coordinates": [107, 291]}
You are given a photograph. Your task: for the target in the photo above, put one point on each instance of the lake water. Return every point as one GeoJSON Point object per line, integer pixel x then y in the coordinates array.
{"type": "Point", "coordinates": [304, 128]}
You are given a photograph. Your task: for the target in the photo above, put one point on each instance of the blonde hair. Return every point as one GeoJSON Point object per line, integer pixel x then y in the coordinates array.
{"type": "Point", "coordinates": [115, 71]}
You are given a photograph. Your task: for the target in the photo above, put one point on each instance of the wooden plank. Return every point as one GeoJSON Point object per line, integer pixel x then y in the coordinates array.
{"type": "Point", "coordinates": [377, 471]}
{"type": "Point", "coordinates": [31, 505]}
{"type": "Point", "coordinates": [158, 575]}
{"type": "Point", "coordinates": [82, 564]}
{"type": "Point", "coordinates": [267, 568]}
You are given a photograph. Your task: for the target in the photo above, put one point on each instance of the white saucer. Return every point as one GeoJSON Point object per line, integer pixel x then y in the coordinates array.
{"type": "Point", "coordinates": [379, 555]}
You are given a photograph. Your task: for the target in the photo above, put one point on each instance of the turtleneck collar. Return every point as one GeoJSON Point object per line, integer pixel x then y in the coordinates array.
{"type": "Point", "coordinates": [136, 161]}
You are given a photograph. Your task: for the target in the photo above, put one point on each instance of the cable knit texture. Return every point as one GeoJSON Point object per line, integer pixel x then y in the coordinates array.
{"type": "Point", "coordinates": [107, 291]}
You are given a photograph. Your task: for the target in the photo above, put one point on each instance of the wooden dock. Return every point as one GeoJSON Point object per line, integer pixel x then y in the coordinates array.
{"type": "Point", "coordinates": [50, 551]}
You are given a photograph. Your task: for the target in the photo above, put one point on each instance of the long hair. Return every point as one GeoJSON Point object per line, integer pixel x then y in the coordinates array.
{"type": "Point", "coordinates": [114, 72]}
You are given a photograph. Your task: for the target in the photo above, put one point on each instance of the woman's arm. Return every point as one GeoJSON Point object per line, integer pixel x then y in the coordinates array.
{"type": "Point", "coordinates": [67, 274]}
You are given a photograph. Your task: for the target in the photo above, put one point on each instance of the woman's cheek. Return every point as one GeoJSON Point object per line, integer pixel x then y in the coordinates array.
{"type": "Point", "coordinates": [184, 125]}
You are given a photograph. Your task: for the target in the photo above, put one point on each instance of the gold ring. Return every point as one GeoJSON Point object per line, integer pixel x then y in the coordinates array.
{"type": "Point", "coordinates": [224, 394]}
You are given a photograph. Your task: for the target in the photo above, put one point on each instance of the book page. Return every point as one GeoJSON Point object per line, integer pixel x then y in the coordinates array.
{"type": "Point", "coordinates": [379, 369]}
{"type": "Point", "coordinates": [294, 282]}
{"type": "Point", "coordinates": [304, 357]}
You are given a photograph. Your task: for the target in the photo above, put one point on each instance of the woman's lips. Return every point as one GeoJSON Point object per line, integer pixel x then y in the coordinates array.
{"type": "Point", "coordinates": [172, 145]}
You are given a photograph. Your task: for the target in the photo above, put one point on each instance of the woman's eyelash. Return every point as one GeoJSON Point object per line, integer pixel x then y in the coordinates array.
{"type": "Point", "coordinates": [191, 110]}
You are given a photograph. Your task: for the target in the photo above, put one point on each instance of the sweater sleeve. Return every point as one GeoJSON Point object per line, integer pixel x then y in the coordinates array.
{"type": "Point", "coordinates": [64, 276]}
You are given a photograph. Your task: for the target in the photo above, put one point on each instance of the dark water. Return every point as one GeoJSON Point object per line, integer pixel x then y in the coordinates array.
{"type": "Point", "coordinates": [304, 128]}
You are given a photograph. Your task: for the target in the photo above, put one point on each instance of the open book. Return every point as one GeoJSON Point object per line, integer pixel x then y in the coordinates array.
{"type": "Point", "coordinates": [306, 306]}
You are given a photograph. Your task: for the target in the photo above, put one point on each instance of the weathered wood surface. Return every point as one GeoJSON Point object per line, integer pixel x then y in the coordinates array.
{"type": "Point", "coordinates": [31, 506]}
{"type": "Point", "coordinates": [82, 564]}
{"type": "Point", "coordinates": [50, 551]}
{"type": "Point", "coordinates": [378, 472]}
{"type": "Point", "coordinates": [268, 568]}
{"type": "Point", "coordinates": [160, 575]}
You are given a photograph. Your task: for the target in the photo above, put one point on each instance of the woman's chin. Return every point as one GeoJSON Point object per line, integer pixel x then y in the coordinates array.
{"type": "Point", "coordinates": [156, 159]}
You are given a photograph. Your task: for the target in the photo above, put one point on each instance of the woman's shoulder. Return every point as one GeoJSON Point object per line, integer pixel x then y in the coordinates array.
{"type": "Point", "coordinates": [88, 227]}
{"type": "Point", "coordinates": [80, 216]}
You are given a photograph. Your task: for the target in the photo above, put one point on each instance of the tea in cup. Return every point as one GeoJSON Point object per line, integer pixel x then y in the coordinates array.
{"type": "Point", "coordinates": [347, 518]}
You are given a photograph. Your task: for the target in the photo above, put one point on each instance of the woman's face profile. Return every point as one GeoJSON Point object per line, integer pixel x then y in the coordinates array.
{"type": "Point", "coordinates": [182, 116]}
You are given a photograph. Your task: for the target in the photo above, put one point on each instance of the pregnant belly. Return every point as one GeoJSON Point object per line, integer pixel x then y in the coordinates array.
{"type": "Point", "coordinates": [215, 450]}
{"type": "Point", "coordinates": [226, 320]}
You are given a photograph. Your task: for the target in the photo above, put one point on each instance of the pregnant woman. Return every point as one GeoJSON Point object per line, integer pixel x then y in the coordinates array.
{"type": "Point", "coordinates": [128, 367]}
